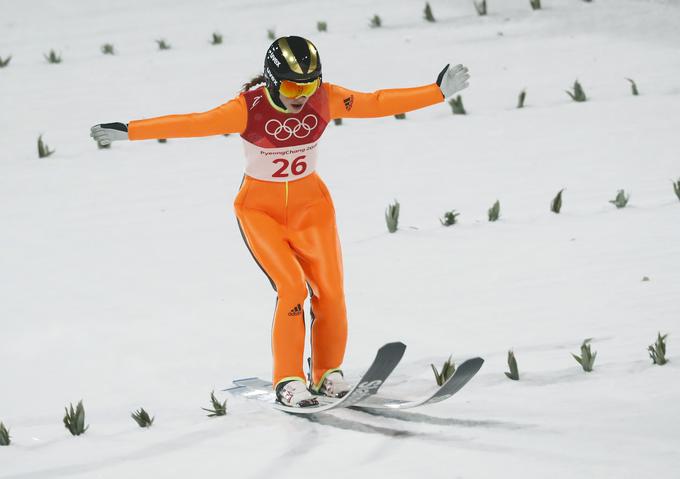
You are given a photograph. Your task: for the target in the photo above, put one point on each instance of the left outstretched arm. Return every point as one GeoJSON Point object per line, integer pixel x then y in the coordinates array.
{"type": "Point", "coordinates": [345, 103]}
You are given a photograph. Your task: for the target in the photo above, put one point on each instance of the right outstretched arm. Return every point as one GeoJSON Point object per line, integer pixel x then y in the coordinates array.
{"type": "Point", "coordinates": [228, 118]}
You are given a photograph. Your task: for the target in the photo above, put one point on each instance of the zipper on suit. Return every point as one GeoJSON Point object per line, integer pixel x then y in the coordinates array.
{"type": "Point", "coordinates": [286, 205]}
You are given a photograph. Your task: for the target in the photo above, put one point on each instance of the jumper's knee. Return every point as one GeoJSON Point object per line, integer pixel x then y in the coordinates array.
{"type": "Point", "coordinates": [292, 294]}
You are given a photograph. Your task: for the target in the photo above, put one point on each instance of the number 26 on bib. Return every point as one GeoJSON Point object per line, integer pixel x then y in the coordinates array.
{"type": "Point", "coordinates": [286, 168]}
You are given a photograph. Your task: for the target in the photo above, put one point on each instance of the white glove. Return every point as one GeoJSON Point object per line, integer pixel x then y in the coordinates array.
{"type": "Point", "coordinates": [105, 133]}
{"type": "Point", "coordinates": [452, 80]}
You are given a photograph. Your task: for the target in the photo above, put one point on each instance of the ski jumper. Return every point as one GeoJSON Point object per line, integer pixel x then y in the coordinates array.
{"type": "Point", "coordinates": [284, 210]}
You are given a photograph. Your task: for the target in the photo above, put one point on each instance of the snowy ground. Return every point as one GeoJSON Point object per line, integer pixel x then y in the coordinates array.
{"type": "Point", "coordinates": [124, 280]}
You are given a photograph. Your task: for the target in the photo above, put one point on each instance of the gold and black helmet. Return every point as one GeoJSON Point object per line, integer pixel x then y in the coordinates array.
{"type": "Point", "coordinates": [291, 58]}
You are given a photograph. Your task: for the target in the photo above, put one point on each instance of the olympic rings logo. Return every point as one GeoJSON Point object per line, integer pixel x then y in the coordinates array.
{"type": "Point", "coordinates": [291, 127]}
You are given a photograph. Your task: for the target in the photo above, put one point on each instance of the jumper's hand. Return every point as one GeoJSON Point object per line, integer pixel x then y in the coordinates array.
{"type": "Point", "coordinates": [105, 133]}
{"type": "Point", "coordinates": [452, 80]}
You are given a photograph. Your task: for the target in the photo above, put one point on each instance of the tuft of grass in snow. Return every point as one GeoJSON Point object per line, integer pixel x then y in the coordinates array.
{"type": "Point", "coordinates": [107, 49]}
{"type": "Point", "coordinates": [520, 99]}
{"type": "Point", "coordinates": [577, 94]}
{"type": "Point", "coordinates": [657, 351]}
{"type": "Point", "coordinates": [450, 218]}
{"type": "Point", "coordinates": [448, 368]}
{"type": "Point", "coordinates": [5, 439]}
{"type": "Point", "coordinates": [74, 420]}
{"type": "Point", "coordinates": [43, 149]}
{"type": "Point", "coordinates": [427, 13]}
{"type": "Point", "coordinates": [337, 121]}
{"type": "Point", "coordinates": [400, 116]}
{"type": "Point", "coordinates": [5, 62]}
{"type": "Point", "coordinates": [676, 187]}
{"type": "Point", "coordinates": [52, 57]}
{"type": "Point", "coordinates": [162, 140]}
{"type": "Point", "coordinates": [633, 87]}
{"type": "Point", "coordinates": [216, 39]}
{"type": "Point", "coordinates": [142, 418]}
{"type": "Point", "coordinates": [322, 26]}
{"type": "Point", "coordinates": [457, 105]}
{"type": "Point", "coordinates": [512, 364]}
{"type": "Point", "coordinates": [218, 408]}
{"type": "Point", "coordinates": [535, 4]}
{"type": "Point", "coordinates": [163, 45]}
{"type": "Point", "coordinates": [392, 217]}
{"type": "Point", "coordinates": [376, 21]}
{"type": "Point", "coordinates": [480, 6]}
{"type": "Point", "coordinates": [271, 34]}
{"type": "Point", "coordinates": [621, 199]}
{"type": "Point", "coordinates": [587, 358]}
{"type": "Point", "coordinates": [495, 211]}
{"type": "Point", "coordinates": [556, 203]}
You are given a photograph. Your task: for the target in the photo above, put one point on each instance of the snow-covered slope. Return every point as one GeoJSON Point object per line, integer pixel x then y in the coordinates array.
{"type": "Point", "coordinates": [124, 280]}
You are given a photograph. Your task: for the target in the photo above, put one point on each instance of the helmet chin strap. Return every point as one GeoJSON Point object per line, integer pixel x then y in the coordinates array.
{"type": "Point", "coordinates": [275, 98]}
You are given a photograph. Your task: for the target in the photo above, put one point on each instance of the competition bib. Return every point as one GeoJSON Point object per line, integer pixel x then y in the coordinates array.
{"type": "Point", "coordinates": [280, 164]}
{"type": "Point", "coordinates": [282, 146]}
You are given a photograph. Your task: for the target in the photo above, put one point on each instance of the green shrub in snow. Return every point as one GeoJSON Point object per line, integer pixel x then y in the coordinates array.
{"type": "Point", "coordinates": [577, 94]}
{"type": "Point", "coordinates": [392, 217]}
{"type": "Point", "coordinates": [448, 368]}
{"type": "Point", "coordinates": [676, 187]}
{"type": "Point", "coordinates": [400, 116]}
{"type": "Point", "coordinates": [52, 57]}
{"type": "Point", "coordinates": [322, 26]}
{"type": "Point", "coordinates": [556, 203]}
{"type": "Point", "coordinates": [633, 87]}
{"type": "Point", "coordinates": [107, 49]}
{"type": "Point", "coordinates": [43, 150]}
{"type": "Point", "coordinates": [457, 105]}
{"type": "Point", "coordinates": [427, 13]}
{"type": "Point", "coordinates": [5, 440]}
{"type": "Point", "coordinates": [495, 211]}
{"type": "Point", "coordinates": [337, 121]}
{"type": "Point", "coordinates": [5, 62]}
{"type": "Point", "coordinates": [521, 98]}
{"type": "Point", "coordinates": [376, 21]}
{"type": "Point", "coordinates": [162, 140]}
{"type": "Point", "coordinates": [657, 351]}
{"type": "Point", "coordinates": [142, 418]}
{"type": "Point", "coordinates": [512, 364]}
{"type": "Point", "coordinates": [480, 6]}
{"type": "Point", "coordinates": [587, 358]}
{"type": "Point", "coordinates": [621, 199]}
{"type": "Point", "coordinates": [271, 34]}
{"type": "Point", "coordinates": [450, 218]}
{"type": "Point", "coordinates": [218, 408]}
{"type": "Point", "coordinates": [163, 45]}
{"type": "Point", "coordinates": [216, 39]}
{"type": "Point", "coordinates": [74, 420]}
{"type": "Point", "coordinates": [535, 4]}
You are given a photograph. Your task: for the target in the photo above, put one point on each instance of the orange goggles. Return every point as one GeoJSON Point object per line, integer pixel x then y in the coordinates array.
{"type": "Point", "coordinates": [292, 89]}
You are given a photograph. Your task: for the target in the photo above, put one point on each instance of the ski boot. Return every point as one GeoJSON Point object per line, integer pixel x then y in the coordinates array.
{"type": "Point", "coordinates": [334, 385]}
{"type": "Point", "coordinates": [295, 394]}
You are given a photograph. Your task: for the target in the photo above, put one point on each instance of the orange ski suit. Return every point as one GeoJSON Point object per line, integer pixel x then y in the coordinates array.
{"type": "Point", "coordinates": [284, 210]}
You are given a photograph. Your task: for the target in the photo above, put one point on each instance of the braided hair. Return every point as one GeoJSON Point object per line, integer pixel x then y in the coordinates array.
{"type": "Point", "coordinates": [254, 81]}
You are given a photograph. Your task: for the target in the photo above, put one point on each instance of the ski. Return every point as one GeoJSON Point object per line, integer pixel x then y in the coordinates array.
{"type": "Point", "coordinates": [384, 363]}
{"type": "Point", "coordinates": [455, 383]}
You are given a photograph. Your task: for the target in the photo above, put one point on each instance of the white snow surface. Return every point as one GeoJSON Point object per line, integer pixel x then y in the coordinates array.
{"type": "Point", "coordinates": [124, 280]}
